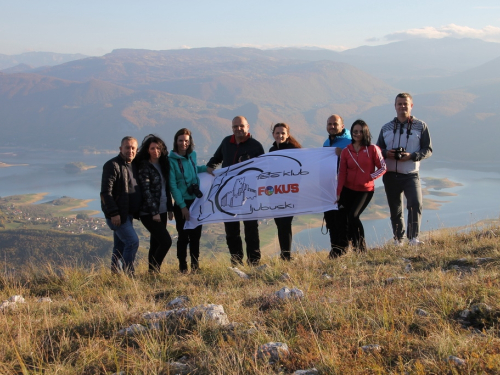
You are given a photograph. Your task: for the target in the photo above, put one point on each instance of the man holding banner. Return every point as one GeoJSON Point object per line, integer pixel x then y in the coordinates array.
{"type": "Point", "coordinates": [338, 137]}
{"type": "Point", "coordinates": [234, 149]}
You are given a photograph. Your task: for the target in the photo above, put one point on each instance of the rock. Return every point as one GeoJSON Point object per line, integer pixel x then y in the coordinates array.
{"type": "Point", "coordinates": [160, 315]}
{"type": "Point", "coordinates": [408, 268]}
{"type": "Point", "coordinates": [241, 274]}
{"type": "Point", "coordinates": [477, 332]}
{"type": "Point", "coordinates": [154, 326]}
{"type": "Point", "coordinates": [480, 308]}
{"type": "Point", "coordinates": [391, 280]}
{"type": "Point", "coordinates": [311, 371]}
{"type": "Point", "coordinates": [44, 300]}
{"type": "Point", "coordinates": [264, 267]}
{"type": "Point", "coordinates": [464, 314]}
{"type": "Point", "coordinates": [455, 360]}
{"type": "Point", "coordinates": [134, 329]}
{"type": "Point", "coordinates": [372, 348]}
{"type": "Point", "coordinates": [285, 293]}
{"type": "Point", "coordinates": [210, 312]}
{"type": "Point", "coordinates": [178, 368]}
{"type": "Point", "coordinates": [480, 261]}
{"type": "Point", "coordinates": [16, 299]}
{"type": "Point", "coordinates": [272, 352]}
{"type": "Point", "coordinates": [180, 301]}
{"type": "Point", "coordinates": [326, 276]}
{"type": "Point", "coordinates": [285, 277]}
{"type": "Point", "coordinates": [421, 312]}
{"type": "Point", "coordinates": [7, 305]}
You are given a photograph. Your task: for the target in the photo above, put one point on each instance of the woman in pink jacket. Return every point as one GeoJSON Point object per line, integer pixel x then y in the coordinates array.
{"type": "Point", "coordinates": [360, 164]}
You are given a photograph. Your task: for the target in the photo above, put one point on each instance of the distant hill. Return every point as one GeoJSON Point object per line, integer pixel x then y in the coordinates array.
{"type": "Point", "coordinates": [483, 74]}
{"type": "Point", "coordinates": [31, 246]}
{"type": "Point", "coordinates": [92, 102]}
{"type": "Point", "coordinates": [421, 58]}
{"type": "Point", "coordinates": [20, 68]}
{"type": "Point", "coordinates": [87, 103]}
{"type": "Point", "coordinates": [37, 59]}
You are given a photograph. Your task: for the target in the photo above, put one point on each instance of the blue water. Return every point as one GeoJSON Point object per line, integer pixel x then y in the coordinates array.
{"type": "Point", "coordinates": [477, 199]}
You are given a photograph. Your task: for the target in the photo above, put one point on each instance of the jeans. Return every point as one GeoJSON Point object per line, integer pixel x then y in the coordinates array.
{"type": "Point", "coordinates": [351, 205]}
{"type": "Point", "coordinates": [235, 245]}
{"type": "Point", "coordinates": [284, 225]}
{"type": "Point", "coordinates": [397, 184]}
{"type": "Point", "coordinates": [159, 242]}
{"type": "Point", "coordinates": [187, 236]}
{"type": "Point", "coordinates": [125, 246]}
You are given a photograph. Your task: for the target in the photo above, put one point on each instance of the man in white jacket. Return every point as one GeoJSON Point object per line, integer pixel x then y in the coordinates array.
{"type": "Point", "coordinates": [404, 142]}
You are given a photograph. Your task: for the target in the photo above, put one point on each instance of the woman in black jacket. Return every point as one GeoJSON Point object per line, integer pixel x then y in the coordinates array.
{"type": "Point", "coordinates": [154, 171]}
{"type": "Point", "coordinates": [283, 141]}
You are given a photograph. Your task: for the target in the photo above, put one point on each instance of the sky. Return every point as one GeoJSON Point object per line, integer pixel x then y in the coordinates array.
{"type": "Point", "coordinates": [97, 27]}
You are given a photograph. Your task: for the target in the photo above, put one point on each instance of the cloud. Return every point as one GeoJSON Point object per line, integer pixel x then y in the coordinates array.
{"type": "Point", "coordinates": [488, 33]}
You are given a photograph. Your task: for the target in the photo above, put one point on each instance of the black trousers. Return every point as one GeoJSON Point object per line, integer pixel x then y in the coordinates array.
{"type": "Point", "coordinates": [187, 237]}
{"type": "Point", "coordinates": [235, 245]}
{"type": "Point", "coordinates": [351, 206]}
{"type": "Point", "coordinates": [336, 223]}
{"type": "Point", "coordinates": [159, 242]}
{"type": "Point", "coordinates": [284, 225]}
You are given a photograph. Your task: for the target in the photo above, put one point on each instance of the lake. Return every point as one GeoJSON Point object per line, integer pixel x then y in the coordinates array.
{"type": "Point", "coordinates": [476, 200]}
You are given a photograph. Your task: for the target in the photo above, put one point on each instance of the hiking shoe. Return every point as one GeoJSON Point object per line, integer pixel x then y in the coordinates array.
{"type": "Point", "coordinates": [415, 242]}
{"type": "Point", "coordinates": [398, 243]}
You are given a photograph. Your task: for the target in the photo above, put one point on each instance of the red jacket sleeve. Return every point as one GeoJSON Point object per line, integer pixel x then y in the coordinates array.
{"type": "Point", "coordinates": [379, 162]}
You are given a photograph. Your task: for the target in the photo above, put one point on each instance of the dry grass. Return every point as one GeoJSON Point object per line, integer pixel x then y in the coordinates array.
{"type": "Point", "coordinates": [76, 334]}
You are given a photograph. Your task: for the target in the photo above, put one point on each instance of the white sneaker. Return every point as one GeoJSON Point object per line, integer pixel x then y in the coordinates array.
{"type": "Point", "coordinates": [398, 243]}
{"type": "Point", "coordinates": [415, 242]}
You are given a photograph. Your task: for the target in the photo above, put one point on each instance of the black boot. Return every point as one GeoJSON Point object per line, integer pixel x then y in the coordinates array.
{"type": "Point", "coordinates": [183, 267]}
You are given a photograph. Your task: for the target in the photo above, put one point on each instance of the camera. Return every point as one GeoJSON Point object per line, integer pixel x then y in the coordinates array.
{"type": "Point", "coordinates": [194, 189]}
{"type": "Point", "coordinates": [397, 152]}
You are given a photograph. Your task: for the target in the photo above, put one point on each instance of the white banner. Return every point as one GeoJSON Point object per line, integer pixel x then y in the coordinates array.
{"type": "Point", "coordinates": [280, 183]}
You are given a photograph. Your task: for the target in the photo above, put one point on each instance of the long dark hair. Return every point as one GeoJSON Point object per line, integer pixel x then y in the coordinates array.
{"type": "Point", "coordinates": [143, 153]}
{"type": "Point", "coordinates": [367, 137]}
{"type": "Point", "coordinates": [184, 131]}
{"type": "Point", "coordinates": [290, 138]}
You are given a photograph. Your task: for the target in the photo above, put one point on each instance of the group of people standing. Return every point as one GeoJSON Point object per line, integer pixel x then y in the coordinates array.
{"type": "Point", "coordinates": [142, 187]}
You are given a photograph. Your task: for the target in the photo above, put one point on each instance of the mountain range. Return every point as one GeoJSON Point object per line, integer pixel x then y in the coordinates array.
{"type": "Point", "coordinates": [90, 103]}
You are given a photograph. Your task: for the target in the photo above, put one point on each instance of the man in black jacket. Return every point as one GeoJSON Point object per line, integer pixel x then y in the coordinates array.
{"type": "Point", "coordinates": [234, 149]}
{"type": "Point", "coordinates": [120, 202]}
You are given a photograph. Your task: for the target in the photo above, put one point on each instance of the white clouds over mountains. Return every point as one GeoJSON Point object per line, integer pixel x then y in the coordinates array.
{"type": "Point", "coordinates": [487, 33]}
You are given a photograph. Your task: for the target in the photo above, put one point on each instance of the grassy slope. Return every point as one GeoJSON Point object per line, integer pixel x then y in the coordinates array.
{"type": "Point", "coordinates": [326, 329]}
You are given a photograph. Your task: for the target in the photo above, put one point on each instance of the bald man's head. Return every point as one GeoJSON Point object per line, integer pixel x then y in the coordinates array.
{"type": "Point", "coordinates": [240, 128]}
{"type": "Point", "coordinates": [334, 125]}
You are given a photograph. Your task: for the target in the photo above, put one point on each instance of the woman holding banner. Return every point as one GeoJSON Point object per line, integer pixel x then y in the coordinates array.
{"type": "Point", "coordinates": [360, 164]}
{"type": "Point", "coordinates": [283, 140]}
{"type": "Point", "coordinates": [184, 184]}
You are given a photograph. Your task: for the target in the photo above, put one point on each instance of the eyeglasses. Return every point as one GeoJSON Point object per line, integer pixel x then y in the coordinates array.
{"type": "Point", "coordinates": [357, 132]}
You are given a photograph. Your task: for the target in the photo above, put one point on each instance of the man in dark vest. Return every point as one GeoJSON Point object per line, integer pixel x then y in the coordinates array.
{"type": "Point", "coordinates": [235, 148]}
